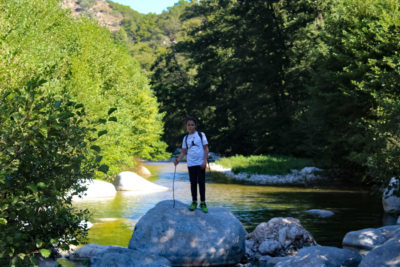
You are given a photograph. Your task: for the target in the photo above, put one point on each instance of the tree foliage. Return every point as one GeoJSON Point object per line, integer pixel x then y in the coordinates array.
{"type": "Point", "coordinates": [354, 90]}
{"type": "Point", "coordinates": [306, 78]}
{"type": "Point", "coordinates": [72, 105]}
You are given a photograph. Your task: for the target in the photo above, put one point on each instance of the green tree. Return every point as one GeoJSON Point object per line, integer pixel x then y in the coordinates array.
{"type": "Point", "coordinates": [354, 103]}
{"type": "Point", "coordinates": [241, 79]}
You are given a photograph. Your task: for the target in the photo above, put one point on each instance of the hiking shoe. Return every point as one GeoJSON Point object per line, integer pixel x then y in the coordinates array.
{"type": "Point", "coordinates": [203, 207]}
{"type": "Point", "coordinates": [193, 206]}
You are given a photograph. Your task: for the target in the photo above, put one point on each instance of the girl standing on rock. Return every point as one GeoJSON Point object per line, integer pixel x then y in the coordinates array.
{"type": "Point", "coordinates": [195, 145]}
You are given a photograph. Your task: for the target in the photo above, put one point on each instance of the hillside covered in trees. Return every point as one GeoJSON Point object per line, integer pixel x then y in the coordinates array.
{"type": "Point", "coordinates": [315, 79]}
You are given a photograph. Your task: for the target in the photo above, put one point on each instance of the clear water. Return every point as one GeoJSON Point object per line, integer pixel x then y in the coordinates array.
{"type": "Point", "coordinates": [114, 219]}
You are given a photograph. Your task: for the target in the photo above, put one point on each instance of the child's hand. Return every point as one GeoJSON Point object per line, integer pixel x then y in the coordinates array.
{"type": "Point", "coordinates": [176, 162]}
{"type": "Point", "coordinates": [203, 165]}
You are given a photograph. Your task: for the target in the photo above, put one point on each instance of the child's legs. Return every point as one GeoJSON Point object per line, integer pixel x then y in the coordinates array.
{"type": "Point", "coordinates": [201, 178]}
{"type": "Point", "coordinates": [193, 181]}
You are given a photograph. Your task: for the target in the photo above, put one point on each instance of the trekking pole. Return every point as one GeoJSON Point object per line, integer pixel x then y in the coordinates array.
{"type": "Point", "coordinates": [173, 187]}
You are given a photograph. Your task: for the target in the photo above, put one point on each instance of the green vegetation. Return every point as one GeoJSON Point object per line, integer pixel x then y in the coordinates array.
{"type": "Point", "coordinates": [271, 165]}
{"type": "Point", "coordinates": [73, 105]}
{"type": "Point", "coordinates": [313, 79]}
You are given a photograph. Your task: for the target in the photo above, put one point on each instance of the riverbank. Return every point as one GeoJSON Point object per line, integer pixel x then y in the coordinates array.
{"type": "Point", "coordinates": [304, 176]}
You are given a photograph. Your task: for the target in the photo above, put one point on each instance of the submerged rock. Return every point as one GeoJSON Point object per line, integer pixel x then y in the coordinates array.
{"type": "Point", "coordinates": [190, 238]}
{"type": "Point", "coordinates": [321, 213]}
{"type": "Point", "coordinates": [278, 237]}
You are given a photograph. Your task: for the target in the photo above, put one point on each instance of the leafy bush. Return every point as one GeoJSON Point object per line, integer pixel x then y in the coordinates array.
{"type": "Point", "coordinates": [44, 158]}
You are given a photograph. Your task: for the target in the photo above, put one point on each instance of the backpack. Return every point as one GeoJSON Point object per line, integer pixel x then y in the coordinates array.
{"type": "Point", "coordinates": [201, 139]}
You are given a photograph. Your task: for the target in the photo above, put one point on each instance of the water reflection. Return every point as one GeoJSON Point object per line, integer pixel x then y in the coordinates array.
{"type": "Point", "coordinates": [251, 204]}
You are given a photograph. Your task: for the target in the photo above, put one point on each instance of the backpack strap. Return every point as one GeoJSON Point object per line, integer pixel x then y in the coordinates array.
{"type": "Point", "coordinates": [201, 137]}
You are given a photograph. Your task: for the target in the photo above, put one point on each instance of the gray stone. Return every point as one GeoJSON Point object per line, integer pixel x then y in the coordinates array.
{"type": "Point", "coordinates": [370, 238]}
{"type": "Point", "coordinates": [322, 256]}
{"type": "Point", "coordinates": [387, 254]}
{"type": "Point", "coordinates": [398, 220]}
{"type": "Point", "coordinates": [269, 246]}
{"type": "Point", "coordinates": [391, 202]}
{"type": "Point", "coordinates": [124, 257]}
{"type": "Point", "coordinates": [278, 237]}
{"type": "Point", "coordinates": [189, 238]}
{"type": "Point", "coordinates": [88, 251]}
{"type": "Point", "coordinates": [321, 213]}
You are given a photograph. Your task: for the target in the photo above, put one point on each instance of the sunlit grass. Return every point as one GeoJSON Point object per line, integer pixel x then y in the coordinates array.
{"type": "Point", "coordinates": [264, 164]}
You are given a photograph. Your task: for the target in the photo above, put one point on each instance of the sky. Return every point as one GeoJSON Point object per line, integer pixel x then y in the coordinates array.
{"type": "Point", "coordinates": [147, 6]}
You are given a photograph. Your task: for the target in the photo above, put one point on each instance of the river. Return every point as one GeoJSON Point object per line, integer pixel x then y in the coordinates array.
{"type": "Point", "coordinates": [114, 218]}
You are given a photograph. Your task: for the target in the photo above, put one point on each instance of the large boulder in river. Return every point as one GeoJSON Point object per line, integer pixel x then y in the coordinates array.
{"type": "Point", "coordinates": [390, 198]}
{"type": "Point", "coordinates": [190, 238]}
{"type": "Point", "coordinates": [105, 256]}
{"type": "Point", "coordinates": [322, 256]}
{"type": "Point", "coordinates": [97, 189]}
{"type": "Point", "coordinates": [278, 237]}
{"type": "Point", "coordinates": [125, 257]}
{"type": "Point", "coordinates": [368, 239]}
{"type": "Point", "coordinates": [387, 254]}
{"type": "Point", "coordinates": [130, 181]}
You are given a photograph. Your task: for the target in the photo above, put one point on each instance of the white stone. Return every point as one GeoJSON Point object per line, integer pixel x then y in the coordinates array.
{"type": "Point", "coordinates": [143, 171]}
{"type": "Point", "coordinates": [97, 189]}
{"type": "Point", "coordinates": [130, 181]}
{"type": "Point", "coordinates": [321, 213]}
{"type": "Point", "coordinates": [190, 238]}
{"type": "Point", "coordinates": [391, 202]}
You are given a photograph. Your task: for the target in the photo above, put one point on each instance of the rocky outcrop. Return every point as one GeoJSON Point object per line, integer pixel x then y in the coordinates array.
{"type": "Point", "coordinates": [390, 198]}
{"type": "Point", "coordinates": [278, 237]}
{"type": "Point", "coordinates": [100, 10]}
{"type": "Point", "coordinates": [190, 238]}
{"type": "Point", "coordinates": [130, 181]}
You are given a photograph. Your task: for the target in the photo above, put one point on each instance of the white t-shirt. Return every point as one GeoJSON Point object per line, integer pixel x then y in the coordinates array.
{"type": "Point", "coordinates": [195, 150]}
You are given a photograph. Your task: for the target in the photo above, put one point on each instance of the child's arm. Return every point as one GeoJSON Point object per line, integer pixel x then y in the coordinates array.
{"type": "Point", "coordinates": [204, 164]}
{"type": "Point", "coordinates": [181, 155]}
